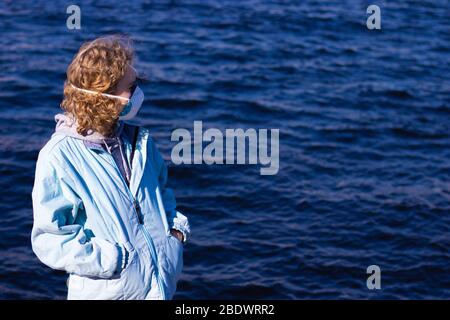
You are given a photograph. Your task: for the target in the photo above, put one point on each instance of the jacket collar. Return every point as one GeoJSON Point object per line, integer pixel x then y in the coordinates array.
{"type": "Point", "coordinates": [66, 124]}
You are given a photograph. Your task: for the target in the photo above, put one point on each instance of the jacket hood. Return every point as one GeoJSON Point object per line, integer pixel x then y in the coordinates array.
{"type": "Point", "coordinates": [66, 124]}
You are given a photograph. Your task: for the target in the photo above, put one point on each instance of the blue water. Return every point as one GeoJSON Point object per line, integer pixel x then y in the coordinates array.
{"type": "Point", "coordinates": [364, 132]}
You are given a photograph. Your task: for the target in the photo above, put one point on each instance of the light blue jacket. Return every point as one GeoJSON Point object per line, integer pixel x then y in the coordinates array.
{"type": "Point", "coordinates": [113, 240]}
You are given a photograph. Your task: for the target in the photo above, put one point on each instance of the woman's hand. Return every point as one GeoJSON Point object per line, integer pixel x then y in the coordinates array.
{"type": "Point", "coordinates": [177, 234]}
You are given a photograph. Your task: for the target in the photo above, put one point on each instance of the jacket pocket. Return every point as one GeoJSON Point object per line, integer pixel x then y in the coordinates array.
{"type": "Point", "coordinates": [175, 256]}
{"type": "Point", "coordinates": [113, 288]}
{"type": "Point", "coordinates": [133, 278]}
{"type": "Point", "coordinates": [172, 264]}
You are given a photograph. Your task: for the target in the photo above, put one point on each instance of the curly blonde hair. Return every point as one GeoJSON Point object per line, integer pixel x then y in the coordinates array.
{"type": "Point", "coordinates": [98, 66]}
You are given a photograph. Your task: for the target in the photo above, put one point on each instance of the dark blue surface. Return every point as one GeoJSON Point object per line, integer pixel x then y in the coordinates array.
{"type": "Point", "coordinates": [364, 131]}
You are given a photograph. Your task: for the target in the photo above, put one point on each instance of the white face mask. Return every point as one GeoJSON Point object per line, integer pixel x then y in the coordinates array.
{"type": "Point", "coordinates": [130, 110]}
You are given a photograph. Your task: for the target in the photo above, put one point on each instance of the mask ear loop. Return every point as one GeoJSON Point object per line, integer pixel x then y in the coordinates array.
{"type": "Point", "coordinates": [103, 94]}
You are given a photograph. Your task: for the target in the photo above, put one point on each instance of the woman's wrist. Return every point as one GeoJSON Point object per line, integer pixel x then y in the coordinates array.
{"type": "Point", "coordinates": [178, 234]}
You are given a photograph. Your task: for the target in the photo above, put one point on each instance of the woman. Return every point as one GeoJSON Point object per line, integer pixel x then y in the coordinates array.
{"type": "Point", "coordinates": [101, 208]}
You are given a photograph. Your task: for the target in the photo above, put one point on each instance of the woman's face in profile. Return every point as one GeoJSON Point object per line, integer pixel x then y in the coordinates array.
{"type": "Point", "coordinates": [127, 84]}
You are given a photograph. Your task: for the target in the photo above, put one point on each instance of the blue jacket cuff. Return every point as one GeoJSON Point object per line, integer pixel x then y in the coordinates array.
{"type": "Point", "coordinates": [122, 259]}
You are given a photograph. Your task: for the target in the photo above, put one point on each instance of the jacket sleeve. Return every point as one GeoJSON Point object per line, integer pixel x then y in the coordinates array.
{"type": "Point", "coordinates": [56, 239]}
{"type": "Point", "coordinates": [175, 218]}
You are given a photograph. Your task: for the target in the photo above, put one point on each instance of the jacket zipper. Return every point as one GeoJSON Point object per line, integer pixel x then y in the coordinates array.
{"type": "Point", "coordinates": [150, 244]}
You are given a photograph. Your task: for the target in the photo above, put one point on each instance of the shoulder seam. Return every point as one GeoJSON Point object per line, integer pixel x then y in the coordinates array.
{"type": "Point", "coordinates": [50, 155]}
{"type": "Point", "coordinates": [57, 142]}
